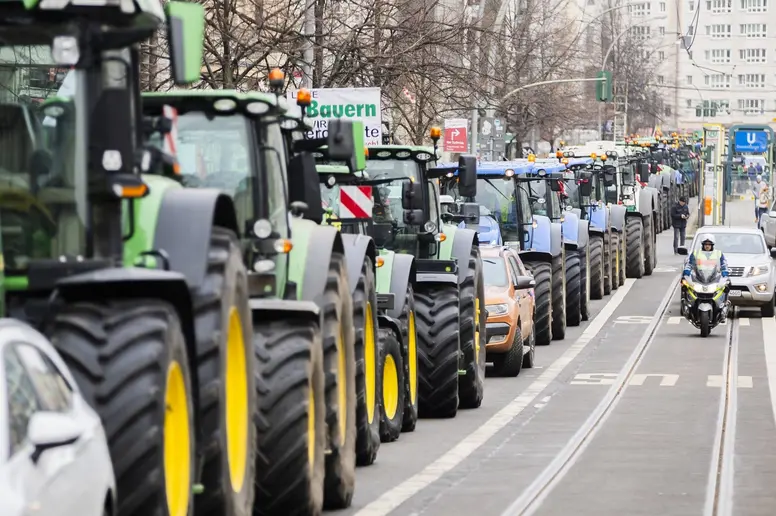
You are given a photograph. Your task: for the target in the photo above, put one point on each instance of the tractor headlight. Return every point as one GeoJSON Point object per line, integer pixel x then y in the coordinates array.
{"type": "Point", "coordinates": [429, 227]}
{"type": "Point", "coordinates": [500, 309]}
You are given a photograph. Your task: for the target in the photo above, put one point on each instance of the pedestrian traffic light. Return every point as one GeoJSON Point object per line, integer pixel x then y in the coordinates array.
{"type": "Point", "coordinates": [603, 88]}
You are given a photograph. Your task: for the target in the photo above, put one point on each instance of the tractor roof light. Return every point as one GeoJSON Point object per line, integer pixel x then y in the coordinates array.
{"type": "Point", "coordinates": [593, 155]}
{"type": "Point", "coordinates": [435, 133]}
{"type": "Point", "coordinates": [303, 97]}
{"type": "Point", "coordinates": [532, 158]}
{"type": "Point", "coordinates": [603, 157]}
{"type": "Point", "coordinates": [559, 154]}
{"type": "Point", "coordinates": [509, 172]}
{"type": "Point", "coordinates": [565, 161]}
{"type": "Point", "coordinates": [276, 78]}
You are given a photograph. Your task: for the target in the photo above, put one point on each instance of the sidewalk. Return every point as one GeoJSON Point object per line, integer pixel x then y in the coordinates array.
{"type": "Point", "coordinates": [740, 213]}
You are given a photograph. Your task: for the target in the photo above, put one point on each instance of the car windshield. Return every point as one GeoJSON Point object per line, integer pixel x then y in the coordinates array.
{"type": "Point", "coordinates": [737, 243]}
{"type": "Point", "coordinates": [495, 272]}
{"type": "Point", "coordinates": [42, 204]}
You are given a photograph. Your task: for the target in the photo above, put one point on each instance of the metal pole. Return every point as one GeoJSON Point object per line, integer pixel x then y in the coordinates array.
{"type": "Point", "coordinates": [307, 55]}
{"type": "Point", "coordinates": [475, 125]}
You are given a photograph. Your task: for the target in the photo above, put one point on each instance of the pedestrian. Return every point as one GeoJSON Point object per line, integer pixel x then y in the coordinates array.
{"type": "Point", "coordinates": [680, 212]}
{"type": "Point", "coordinates": [762, 196]}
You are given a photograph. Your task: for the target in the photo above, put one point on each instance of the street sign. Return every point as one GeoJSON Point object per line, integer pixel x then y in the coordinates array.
{"type": "Point", "coordinates": [498, 128]}
{"type": "Point", "coordinates": [751, 141]}
{"type": "Point", "coordinates": [456, 135]}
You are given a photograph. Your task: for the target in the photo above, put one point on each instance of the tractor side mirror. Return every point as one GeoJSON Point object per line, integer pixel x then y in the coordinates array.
{"type": "Point", "coordinates": [413, 217]}
{"type": "Point", "coordinates": [585, 184]}
{"type": "Point", "coordinates": [470, 212]}
{"type": "Point", "coordinates": [644, 172]}
{"type": "Point", "coordinates": [773, 252]}
{"type": "Point", "coordinates": [411, 195]}
{"type": "Point", "coordinates": [382, 234]}
{"type": "Point", "coordinates": [608, 178]}
{"type": "Point", "coordinates": [303, 185]}
{"type": "Point", "coordinates": [467, 176]}
{"type": "Point", "coordinates": [185, 23]}
{"type": "Point", "coordinates": [554, 185]}
{"type": "Point", "coordinates": [341, 145]}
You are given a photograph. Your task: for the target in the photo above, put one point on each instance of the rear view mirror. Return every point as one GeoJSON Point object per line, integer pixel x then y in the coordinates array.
{"type": "Point", "coordinates": [471, 212]}
{"type": "Point", "coordinates": [303, 185]}
{"type": "Point", "coordinates": [382, 234]}
{"type": "Point", "coordinates": [682, 251]}
{"type": "Point", "coordinates": [340, 142]}
{"type": "Point", "coordinates": [644, 172]}
{"type": "Point", "coordinates": [185, 24]}
{"type": "Point", "coordinates": [411, 195]}
{"type": "Point", "coordinates": [524, 283]}
{"type": "Point", "coordinates": [585, 188]}
{"type": "Point", "coordinates": [413, 217]}
{"type": "Point", "coordinates": [467, 176]}
{"type": "Point", "coordinates": [48, 430]}
{"type": "Point", "coordinates": [554, 185]}
{"type": "Point", "coordinates": [773, 252]}
{"type": "Point", "coordinates": [608, 178]}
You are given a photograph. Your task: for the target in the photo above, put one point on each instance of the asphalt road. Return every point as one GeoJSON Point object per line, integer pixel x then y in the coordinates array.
{"type": "Point", "coordinates": [633, 413]}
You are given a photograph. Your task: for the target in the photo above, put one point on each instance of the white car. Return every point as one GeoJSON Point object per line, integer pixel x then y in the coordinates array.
{"type": "Point", "coordinates": [54, 458]}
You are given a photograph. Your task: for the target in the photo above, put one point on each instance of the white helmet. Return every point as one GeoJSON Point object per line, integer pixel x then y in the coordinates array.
{"type": "Point", "coordinates": [708, 237]}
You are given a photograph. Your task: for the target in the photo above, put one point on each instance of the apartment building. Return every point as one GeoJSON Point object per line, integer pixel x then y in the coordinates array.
{"type": "Point", "coordinates": [728, 68]}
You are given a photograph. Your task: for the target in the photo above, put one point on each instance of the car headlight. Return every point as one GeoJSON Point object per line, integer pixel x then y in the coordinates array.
{"type": "Point", "coordinates": [500, 309]}
{"type": "Point", "coordinates": [759, 270]}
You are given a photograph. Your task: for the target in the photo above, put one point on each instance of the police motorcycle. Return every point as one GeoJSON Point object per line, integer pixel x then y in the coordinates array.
{"type": "Point", "coordinates": [704, 294]}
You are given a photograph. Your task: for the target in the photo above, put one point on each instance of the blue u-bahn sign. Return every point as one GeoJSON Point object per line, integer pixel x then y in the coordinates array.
{"type": "Point", "coordinates": [753, 141]}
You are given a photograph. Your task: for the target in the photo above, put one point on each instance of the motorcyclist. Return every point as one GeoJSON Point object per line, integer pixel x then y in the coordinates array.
{"type": "Point", "coordinates": [707, 253]}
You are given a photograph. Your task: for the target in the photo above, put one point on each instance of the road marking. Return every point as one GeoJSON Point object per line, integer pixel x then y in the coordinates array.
{"type": "Point", "coordinates": [633, 319]}
{"type": "Point", "coordinates": [544, 402]}
{"type": "Point", "coordinates": [399, 494]}
{"type": "Point", "coordinates": [743, 321]}
{"type": "Point", "coordinates": [675, 320]}
{"type": "Point", "coordinates": [664, 269]}
{"type": "Point", "coordinates": [717, 380]}
{"type": "Point", "coordinates": [769, 344]}
{"type": "Point", "coordinates": [666, 380]}
{"type": "Point", "coordinates": [592, 379]}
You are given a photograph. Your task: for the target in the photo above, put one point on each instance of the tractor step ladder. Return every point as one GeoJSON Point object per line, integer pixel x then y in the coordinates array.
{"type": "Point", "coordinates": [620, 112]}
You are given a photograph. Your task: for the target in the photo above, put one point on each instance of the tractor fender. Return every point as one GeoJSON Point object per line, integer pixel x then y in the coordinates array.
{"type": "Point", "coordinates": [584, 228]}
{"type": "Point", "coordinates": [599, 217]}
{"type": "Point", "coordinates": [646, 201]}
{"type": "Point", "coordinates": [595, 230]}
{"type": "Point", "coordinates": [666, 181]}
{"type": "Point", "coordinates": [654, 180]}
{"type": "Point", "coordinates": [403, 273]}
{"type": "Point", "coordinates": [463, 241]}
{"type": "Point", "coordinates": [577, 212]}
{"type": "Point", "coordinates": [138, 283]}
{"type": "Point", "coordinates": [271, 309]}
{"type": "Point", "coordinates": [322, 242]}
{"type": "Point", "coordinates": [183, 228]}
{"type": "Point", "coordinates": [357, 247]}
{"type": "Point", "coordinates": [385, 321]}
{"type": "Point", "coordinates": [570, 228]}
{"type": "Point", "coordinates": [617, 217]}
{"type": "Point", "coordinates": [535, 256]}
{"type": "Point", "coordinates": [556, 239]}
{"type": "Point", "coordinates": [540, 234]}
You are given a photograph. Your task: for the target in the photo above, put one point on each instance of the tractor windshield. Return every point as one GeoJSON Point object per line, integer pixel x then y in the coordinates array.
{"type": "Point", "coordinates": [541, 203]}
{"type": "Point", "coordinates": [387, 196]}
{"type": "Point", "coordinates": [42, 204]}
{"type": "Point", "coordinates": [572, 193]}
{"type": "Point", "coordinates": [497, 196]}
{"type": "Point", "coordinates": [214, 152]}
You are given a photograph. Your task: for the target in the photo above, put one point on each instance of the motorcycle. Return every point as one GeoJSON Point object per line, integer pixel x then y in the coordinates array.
{"type": "Point", "coordinates": [704, 297]}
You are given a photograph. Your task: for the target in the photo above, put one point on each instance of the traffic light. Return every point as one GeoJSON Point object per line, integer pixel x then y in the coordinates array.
{"type": "Point", "coordinates": [603, 87]}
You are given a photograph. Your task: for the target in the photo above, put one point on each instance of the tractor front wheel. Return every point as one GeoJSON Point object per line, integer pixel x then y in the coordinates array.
{"type": "Point", "coordinates": [471, 386]}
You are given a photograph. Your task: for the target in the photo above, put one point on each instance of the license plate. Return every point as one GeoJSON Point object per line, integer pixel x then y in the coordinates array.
{"type": "Point", "coordinates": [735, 293]}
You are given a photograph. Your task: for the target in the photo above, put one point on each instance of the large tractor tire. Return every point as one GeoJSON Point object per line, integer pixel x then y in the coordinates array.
{"type": "Point", "coordinates": [609, 249]}
{"type": "Point", "coordinates": [510, 364]}
{"type": "Point", "coordinates": [649, 247]}
{"type": "Point", "coordinates": [615, 257]}
{"type": "Point", "coordinates": [392, 374]}
{"type": "Point", "coordinates": [471, 385]}
{"type": "Point", "coordinates": [584, 267]}
{"type": "Point", "coordinates": [291, 397]}
{"type": "Point", "coordinates": [437, 314]}
{"type": "Point", "coordinates": [368, 380]}
{"type": "Point", "coordinates": [597, 271]}
{"type": "Point", "coordinates": [529, 357]}
{"type": "Point", "coordinates": [339, 358]}
{"type": "Point", "coordinates": [622, 249]}
{"type": "Point", "coordinates": [634, 261]}
{"type": "Point", "coordinates": [226, 368]}
{"type": "Point", "coordinates": [542, 272]}
{"type": "Point", "coordinates": [129, 359]}
{"type": "Point", "coordinates": [573, 289]}
{"type": "Point", "coordinates": [558, 298]}
{"type": "Point", "coordinates": [410, 358]}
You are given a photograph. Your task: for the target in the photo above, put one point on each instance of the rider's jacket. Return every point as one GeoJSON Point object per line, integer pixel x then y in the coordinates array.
{"type": "Point", "coordinates": [701, 256]}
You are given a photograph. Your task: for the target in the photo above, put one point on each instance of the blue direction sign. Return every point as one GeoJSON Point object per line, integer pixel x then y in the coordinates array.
{"type": "Point", "coordinates": [751, 141]}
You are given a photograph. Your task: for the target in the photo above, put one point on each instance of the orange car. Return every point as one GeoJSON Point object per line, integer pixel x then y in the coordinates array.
{"type": "Point", "coordinates": [509, 300]}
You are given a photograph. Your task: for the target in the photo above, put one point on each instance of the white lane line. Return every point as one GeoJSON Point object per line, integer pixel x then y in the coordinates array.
{"type": "Point", "coordinates": [769, 343]}
{"type": "Point", "coordinates": [675, 320]}
{"type": "Point", "coordinates": [396, 496]}
{"type": "Point", "coordinates": [743, 321]}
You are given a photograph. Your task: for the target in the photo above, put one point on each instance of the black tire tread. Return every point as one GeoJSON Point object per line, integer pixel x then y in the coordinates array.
{"type": "Point", "coordinates": [471, 386]}
{"type": "Point", "coordinates": [596, 267]}
{"type": "Point", "coordinates": [542, 272]}
{"type": "Point", "coordinates": [509, 364]}
{"type": "Point", "coordinates": [390, 429]}
{"type": "Point", "coordinates": [410, 405]}
{"type": "Point", "coordinates": [558, 298]}
{"type": "Point", "coordinates": [635, 247]}
{"type": "Point", "coordinates": [573, 289]}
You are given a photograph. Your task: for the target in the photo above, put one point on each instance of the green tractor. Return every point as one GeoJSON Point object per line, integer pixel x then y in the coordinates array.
{"type": "Point", "coordinates": [449, 290]}
{"type": "Point", "coordinates": [300, 285]}
{"type": "Point", "coordinates": [347, 198]}
{"type": "Point", "coordinates": [138, 282]}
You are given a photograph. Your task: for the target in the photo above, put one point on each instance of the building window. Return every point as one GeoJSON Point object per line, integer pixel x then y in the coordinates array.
{"type": "Point", "coordinates": [640, 9]}
{"type": "Point", "coordinates": [719, 6]}
{"type": "Point", "coordinates": [754, 30]}
{"type": "Point", "coordinates": [718, 56]}
{"type": "Point", "coordinates": [690, 31]}
{"type": "Point", "coordinates": [691, 5]}
{"type": "Point", "coordinates": [662, 7]}
{"type": "Point", "coordinates": [718, 80]}
{"type": "Point", "coordinates": [752, 80]}
{"type": "Point", "coordinates": [752, 55]}
{"type": "Point", "coordinates": [661, 55]}
{"type": "Point", "coordinates": [711, 108]}
{"type": "Point", "coordinates": [662, 31]}
{"type": "Point", "coordinates": [689, 103]}
{"type": "Point", "coordinates": [718, 31]}
{"type": "Point", "coordinates": [689, 79]}
{"type": "Point", "coordinates": [754, 6]}
{"type": "Point", "coordinates": [660, 79]}
{"type": "Point", "coordinates": [751, 106]}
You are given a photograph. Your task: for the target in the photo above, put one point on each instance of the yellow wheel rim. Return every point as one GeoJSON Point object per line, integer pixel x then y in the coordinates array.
{"type": "Point", "coordinates": [177, 443]}
{"type": "Point", "coordinates": [237, 409]}
{"type": "Point", "coordinates": [369, 364]}
{"type": "Point", "coordinates": [310, 426]}
{"type": "Point", "coordinates": [413, 357]}
{"type": "Point", "coordinates": [476, 329]}
{"type": "Point", "coordinates": [342, 384]}
{"type": "Point", "coordinates": [390, 387]}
